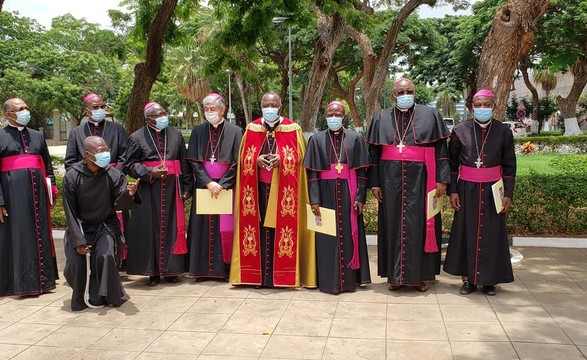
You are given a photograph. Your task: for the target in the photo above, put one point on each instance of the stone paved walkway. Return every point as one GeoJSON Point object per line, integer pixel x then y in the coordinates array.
{"type": "Point", "coordinates": [543, 315]}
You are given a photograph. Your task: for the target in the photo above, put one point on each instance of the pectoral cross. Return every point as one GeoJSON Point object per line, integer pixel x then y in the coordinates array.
{"type": "Point", "coordinates": [338, 167]}
{"type": "Point", "coordinates": [478, 163]}
{"type": "Point", "coordinates": [212, 158]}
{"type": "Point", "coordinates": [401, 146]}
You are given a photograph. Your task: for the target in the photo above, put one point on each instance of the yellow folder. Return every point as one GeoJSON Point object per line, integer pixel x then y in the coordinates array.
{"type": "Point", "coordinates": [325, 223]}
{"type": "Point", "coordinates": [434, 204]}
{"type": "Point", "coordinates": [498, 194]}
{"type": "Point", "coordinates": [208, 205]}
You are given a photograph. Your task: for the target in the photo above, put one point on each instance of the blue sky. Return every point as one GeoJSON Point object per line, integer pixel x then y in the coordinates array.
{"type": "Point", "coordinates": [97, 11]}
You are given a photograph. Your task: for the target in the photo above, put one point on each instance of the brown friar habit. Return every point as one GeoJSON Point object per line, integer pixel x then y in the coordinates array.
{"type": "Point", "coordinates": [27, 257]}
{"type": "Point", "coordinates": [478, 246]}
{"type": "Point", "coordinates": [333, 254]}
{"type": "Point", "coordinates": [209, 250]}
{"type": "Point", "coordinates": [402, 215]}
{"type": "Point", "coordinates": [152, 229]}
{"type": "Point", "coordinates": [90, 203]}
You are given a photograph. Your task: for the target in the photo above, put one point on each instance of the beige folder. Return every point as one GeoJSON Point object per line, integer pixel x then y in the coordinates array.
{"type": "Point", "coordinates": [434, 204]}
{"type": "Point", "coordinates": [207, 205]}
{"type": "Point", "coordinates": [325, 223]}
{"type": "Point", "coordinates": [498, 193]}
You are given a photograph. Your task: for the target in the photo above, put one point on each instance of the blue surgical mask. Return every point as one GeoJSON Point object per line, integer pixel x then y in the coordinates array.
{"type": "Point", "coordinates": [334, 123]}
{"type": "Point", "coordinates": [270, 115]}
{"type": "Point", "coordinates": [483, 115]}
{"type": "Point", "coordinates": [98, 114]}
{"type": "Point", "coordinates": [23, 117]}
{"type": "Point", "coordinates": [102, 159]}
{"type": "Point", "coordinates": [405, 102]}
{"type": "Point", "coordinates": [161, 122]}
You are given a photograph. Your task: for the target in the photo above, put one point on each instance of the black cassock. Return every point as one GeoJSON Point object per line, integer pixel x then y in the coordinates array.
{"type": "Point", "coordinates": [27, 256]}
{"type": "Point", "coordinates": [402, 215]}
{"type": "Point", "coordinates": [152, 228]}
{"type": "Point", "coordinates": [333, 254]}
{"type": "Point", "coordinates": [90, 203]}
{"type": "Point", "coordinates": [113, 134]}
{"type": "Point", "coordinates": [478, 246]}
{"type": "Point", "coordinates": [206, 252]}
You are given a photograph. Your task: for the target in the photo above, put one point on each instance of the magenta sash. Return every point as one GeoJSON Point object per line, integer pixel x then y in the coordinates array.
{"type": "Point", "coordinates": [350, 175]}
{"type": "Point", "coordinates": [216, 171]}
{"type": "Point", "coordinates": [24, 161]}
{"type": "Point", "coordinates": [30, 161]}
{"type": "Point", "coordinates": [174, 168]}
{"type": "Point", "coordinates": [480, 175]}
{"type": "Point", "coordinates": [427, 156]}
{"type": "Point", "coordinates": [265, 175]}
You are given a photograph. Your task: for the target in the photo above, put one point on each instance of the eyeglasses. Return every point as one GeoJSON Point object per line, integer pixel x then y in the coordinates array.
{"type": "Point", "coordinates": [96, 107]}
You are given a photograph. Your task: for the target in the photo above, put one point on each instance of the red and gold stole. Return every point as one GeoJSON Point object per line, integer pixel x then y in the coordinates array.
{"type": "Point", "coordinates": [282, 209]}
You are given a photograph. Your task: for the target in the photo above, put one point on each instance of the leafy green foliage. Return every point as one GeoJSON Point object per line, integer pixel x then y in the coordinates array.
{"type": "Point", "coordinates": [53, 69]}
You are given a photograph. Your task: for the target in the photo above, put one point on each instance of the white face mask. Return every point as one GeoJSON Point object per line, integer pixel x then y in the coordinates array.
{"type": "Point", "coordinates": [212, 117]}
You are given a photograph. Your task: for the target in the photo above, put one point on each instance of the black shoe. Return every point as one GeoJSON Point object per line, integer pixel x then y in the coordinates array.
{"type": "Point", "coordinates": [154, 280]}
{"type": "Point", "coordinates": [172, 279]}
{"type": "Point", "coordinates": [489, 290]}
{"type": "Point", "coordinates": [467, 288]}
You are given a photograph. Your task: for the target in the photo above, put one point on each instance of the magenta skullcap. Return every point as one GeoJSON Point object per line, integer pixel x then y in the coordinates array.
{"type": "Point", "coordinates": [90, 97]}
{"type": "Point", "coordinates": [149, 104]}
{"type": "Point", "coordinates": [335, 102]}
{"type": "Point", "coordinates": [484, 92]}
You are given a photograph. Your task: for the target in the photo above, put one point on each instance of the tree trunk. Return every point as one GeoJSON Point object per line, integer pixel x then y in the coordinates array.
{"type": "Point", "coordinates": [532, 88]}
{"type": "Point", "coordinates": [509, 41]}
{"type": "Point", "coordinates": [568, 105]}
{"type": "Point", "coordinates": [376, 67]}
{"type": "Point", "coordinates": [1, 5]}
{"type": "Point", "coordinates": [238, 77]}
{"type": "Point", "coordinates": [330, 32]}
{"type": "Point", "coordinates": [146, 72]}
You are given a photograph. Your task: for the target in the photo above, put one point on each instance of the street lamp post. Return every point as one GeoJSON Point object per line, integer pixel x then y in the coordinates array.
{"type": "Point", "coordinates": [279, 20]}
{"type": "Point", "coordinates": [230, 114]}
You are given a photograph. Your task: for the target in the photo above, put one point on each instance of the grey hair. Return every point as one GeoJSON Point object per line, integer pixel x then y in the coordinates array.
{"type": "Point", "coordinates": [214, 99]}
{"type": "Point", "coordinates": [150, 110]}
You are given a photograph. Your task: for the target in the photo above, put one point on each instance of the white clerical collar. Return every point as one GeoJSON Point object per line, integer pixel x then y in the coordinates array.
{"type": "Point", "coordinates": [95, 123]}
{"type": "Point", "coordinates": [218, 124]}
{"type": "Point", "coordinates": [272, 125]}
{"type": "Point", "coordinates": [20, 128]}
{"type": "Point", "coordinates": [482, 125]}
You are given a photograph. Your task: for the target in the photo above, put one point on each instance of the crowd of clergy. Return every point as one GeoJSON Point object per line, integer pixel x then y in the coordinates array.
{"type": "Point", "coordinates": [295, 206]}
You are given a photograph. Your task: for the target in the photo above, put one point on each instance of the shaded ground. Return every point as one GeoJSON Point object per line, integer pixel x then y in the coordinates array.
{"type": "Point", "coordinates": [543, 315]}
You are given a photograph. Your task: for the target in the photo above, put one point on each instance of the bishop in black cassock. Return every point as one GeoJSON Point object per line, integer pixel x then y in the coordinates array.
{"type": "Point", "coordinates": [407, 145]}
{"type": "Point", "coordinates": [213, 155]}
{"type": "Point", "coordinates": [481, 152]}
{"type": "Point", "coordinates": [112, 132]}
{"type": "Point", "coordinates": [27, 254]}
{"type": "Point", "coordinates": [342, 261]}
{"type": "Point", "coordinates": [156, 231]}
{"type": "Point", "coordinates": [91, 196]}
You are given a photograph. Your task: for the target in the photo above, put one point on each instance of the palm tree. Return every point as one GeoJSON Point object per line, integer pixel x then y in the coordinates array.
{"type": "Point", "coordinates": [184, 63]}
{"type": "Point", "coordinates": [446, 104]}
{"type": "Point", "coordinates": [547, 81]}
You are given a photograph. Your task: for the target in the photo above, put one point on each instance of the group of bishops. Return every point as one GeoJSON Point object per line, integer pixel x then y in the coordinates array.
{"type": "Point", "coordinates": [275, 176]}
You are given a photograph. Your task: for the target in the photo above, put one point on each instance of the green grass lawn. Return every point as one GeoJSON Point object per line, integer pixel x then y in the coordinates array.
{"type": "Point", "coordinates": [541, 163]}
